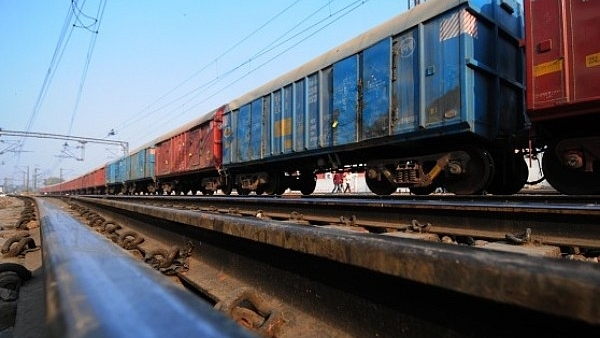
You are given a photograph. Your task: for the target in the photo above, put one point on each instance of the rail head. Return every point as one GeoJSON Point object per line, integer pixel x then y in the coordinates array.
{"type": "Point", "coordinates": [94, 290]}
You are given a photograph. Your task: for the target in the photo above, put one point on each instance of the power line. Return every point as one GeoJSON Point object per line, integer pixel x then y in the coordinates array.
{"type": "Point", "coordinates": [202, 69]}
{"type": "Point", "coordinates": [101, 7]}
{"type": "Point", "coordinates": [200, 90]}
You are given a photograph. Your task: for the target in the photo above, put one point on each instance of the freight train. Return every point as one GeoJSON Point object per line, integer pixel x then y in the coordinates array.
{"type": "Point", "coordinates": [452, 93]}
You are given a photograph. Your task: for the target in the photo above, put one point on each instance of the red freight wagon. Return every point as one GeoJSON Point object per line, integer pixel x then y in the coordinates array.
{"type": "Point", "coordinates": [563, 90]}
{"type": "Point", "coordinates": [95, 181]}
{"type": "Point", "coordinates": [191, 153]}
{"type": "Point", "coordinates": [563, 46]}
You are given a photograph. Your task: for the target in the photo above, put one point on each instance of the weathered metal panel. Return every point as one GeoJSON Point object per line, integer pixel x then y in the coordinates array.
{"type": "Point", "coordinates": [163, 157]}
{"type": "Point", "coordinates": [193, 147]}
{"type": "Point", "coordinates": [243, 130]}
{"type": "Point", "coordinates": [326, 91]}
{"type": "Point", "coordinates": [313, 103]}
{"type": "Point", "coordinates": [277, 126]}
{"type": "Point", "coordinates": [407, 83]}
{"type": "Point", "coordinates": [375, 79]}
{"type": "Point", "coordinates": [178, 154]}
{"type": "Point", "coordinates": [345, 101]}
{"type": "Point", "coordinates": [266, 128]}
{"type": "Point", "coordinates": [299, 125]}
{"type": "Point", "coordinates": [205, 148]}
{"type": "Point", "coordinates": [256, 129]}
{"type": "Point", "coordinates": [122, 169]}
{"type": "Point", "coordinates": [442, 69]}
{"type": "Point", "coordinates": [228, 137]}
{"type": "Point", "coordinates": [287, 118]}
{"type": "Point", "coordinates": [110, 172]}
{"type": "Point", "coordinates": [563, 54]}
{"type": "Point", "coordinates": [137, 169]}
{"type": "Point", "coordinates": [99, 177]}
{"type": "Point", "coordinates": [150, 165]}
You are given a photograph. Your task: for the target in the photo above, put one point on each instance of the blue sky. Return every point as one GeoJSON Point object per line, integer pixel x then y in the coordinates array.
{"type": "Point", "coordinates": [154, 65]}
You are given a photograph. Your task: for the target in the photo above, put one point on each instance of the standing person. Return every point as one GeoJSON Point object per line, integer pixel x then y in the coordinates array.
{"type": "Point", "coordinates": [337, 182]}
{"type": "Point", "coordinates": [347, 179]}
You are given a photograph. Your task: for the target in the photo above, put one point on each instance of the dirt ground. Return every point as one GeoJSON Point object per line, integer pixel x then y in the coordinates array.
{"type": "Point", "coordinates": [22, 309]}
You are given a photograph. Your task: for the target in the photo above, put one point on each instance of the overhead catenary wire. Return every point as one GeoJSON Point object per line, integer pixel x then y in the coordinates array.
{"type": "Point", "coordinates": [134, 119]}
{"type": "Point", "coordinates": [92, 44]}
{"type": "Point", "coordinates": [188, 105]}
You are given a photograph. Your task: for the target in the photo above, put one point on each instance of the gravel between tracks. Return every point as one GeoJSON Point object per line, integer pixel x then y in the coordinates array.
{"type": "Point", "coordinates": [22, 317]}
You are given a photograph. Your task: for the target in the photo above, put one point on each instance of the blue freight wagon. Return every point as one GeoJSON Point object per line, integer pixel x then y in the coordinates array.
{"type": "Point", "coordinates": [141, 176]}
{"type": "Point", "coordinates": [434, 97]}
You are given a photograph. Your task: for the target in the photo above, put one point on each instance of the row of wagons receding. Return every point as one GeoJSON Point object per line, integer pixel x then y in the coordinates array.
{"type": "Point", "coordinates": [433, 97]}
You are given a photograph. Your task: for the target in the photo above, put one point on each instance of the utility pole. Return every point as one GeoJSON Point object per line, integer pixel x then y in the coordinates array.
{"type": "Point", "coordinates": [25, 177]}
{"type": "Point", "coordinates": [35, 177]}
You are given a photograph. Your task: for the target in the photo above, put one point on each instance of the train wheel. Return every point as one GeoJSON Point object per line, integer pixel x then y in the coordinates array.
{"type": "Point", "coordinates": [511, 178]}
{"type": "Point", "coordinates": [473, 176]}
{"type": "Point", "coordinates": [228, 188]}
{"type": "Point", "coordinates": [308, 183]}
{"type": "Point", "coordinates": [272, 186]}
{"type": "Point", "coordinates": [568, 181]}
{"type": "Point", "coordinates": [242, 191]}
{"type": "Point", "coordinates": [380, 187]}
{"type": "Point", "coordinates": [423, 190]}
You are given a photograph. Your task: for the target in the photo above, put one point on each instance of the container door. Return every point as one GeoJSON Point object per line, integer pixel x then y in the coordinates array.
{"type": "Point", "coordinates": [376, 90]}
{"type": "Point", "coordinates": [276, 117]}
{"type": "Point", "coordinates": [243, 131]}
{"type": "Point", "coordinates": [266, 130]}
{"type": "Point", "coordinates": [163, 158]}
{"type": "Point", "coordinates": [256, 130]}
{"type": "Point", "coordinates": [286, 121]}
{"type": "Point", "coordinates": [546, 45]}
{"type": "Point", "coordinates": [150, 167]}
{"type": "Point", "coordinates": [137, 165]}
{"type": "Point", "coordinates": [327, 124]}
{"type": "Point", "coordinates": [228, 137]}
{"type": "Point", "coordinates": [313, 111]}
{"type": "Point", "coordinates": [442, 68]}
{"type": "Point", "coordinates": [345, 101]}
{"type": "Point", "coordinates": [179, 154]}
{"type": "Point", "coordinates": [205, 146]}
{"type": "Point", "coordinates": [299, 133]}
{"type": "Point", "coordinates": [194, 148]}
{"type": "Point", "coordinates": [406, 83]}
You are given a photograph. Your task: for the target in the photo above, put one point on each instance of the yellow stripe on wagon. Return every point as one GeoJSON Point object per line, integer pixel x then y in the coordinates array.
{"type": "Point", "coordinates": [548, 67]}
{"type": "Point", "coordinates": [592, 60]}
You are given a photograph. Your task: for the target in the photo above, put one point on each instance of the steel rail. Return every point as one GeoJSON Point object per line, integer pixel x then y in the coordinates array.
{"type": "Point", "coordinates": [552, 220]}
{"type": "Point", "coordinates": [94, 290]}
{"type": "Point", "coordinates": [563, 288]}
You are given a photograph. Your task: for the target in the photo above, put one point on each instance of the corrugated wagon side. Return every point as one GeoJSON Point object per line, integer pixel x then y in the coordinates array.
{"type": "Point", "coordinates": [563, 91]}
{"type": "Point", "coordinates": [189, 159]}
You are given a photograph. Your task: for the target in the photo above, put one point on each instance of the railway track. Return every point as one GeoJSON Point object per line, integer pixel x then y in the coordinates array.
{"type": "Point", "coordinates": [369, 267]}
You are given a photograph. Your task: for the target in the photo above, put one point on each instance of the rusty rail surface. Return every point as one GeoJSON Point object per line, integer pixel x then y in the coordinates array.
{"type": "Point", "coordinates": [94, 290]}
